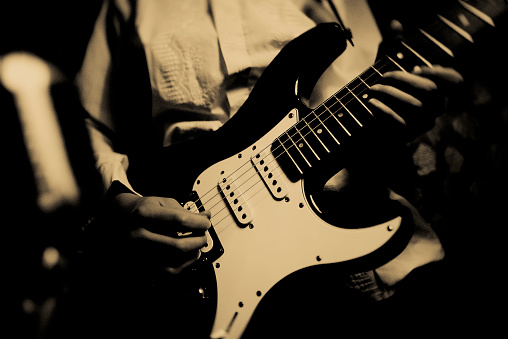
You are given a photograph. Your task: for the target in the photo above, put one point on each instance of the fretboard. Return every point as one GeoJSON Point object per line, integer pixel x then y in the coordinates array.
{"type": "Point", "coordinates": [333, 123]}
{"type": "Point", "coordinates": [336, 122]}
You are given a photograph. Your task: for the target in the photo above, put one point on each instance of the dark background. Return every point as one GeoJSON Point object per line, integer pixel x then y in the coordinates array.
{"type": "Point", "coordinates": [460, 180]}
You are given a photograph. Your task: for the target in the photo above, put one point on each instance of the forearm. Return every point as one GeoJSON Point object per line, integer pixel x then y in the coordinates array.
{"type": "Point", "coordinates": [111, 164]}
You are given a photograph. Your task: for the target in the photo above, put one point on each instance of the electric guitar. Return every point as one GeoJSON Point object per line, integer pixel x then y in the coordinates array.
{"type": "Point", "coordinates": [255, 173]}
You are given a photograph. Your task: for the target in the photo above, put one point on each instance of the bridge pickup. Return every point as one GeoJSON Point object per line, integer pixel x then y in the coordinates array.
{"type": "Point", "coordinates": [235, 199]}
{"type": "Point", "coordinates": [269, 170]}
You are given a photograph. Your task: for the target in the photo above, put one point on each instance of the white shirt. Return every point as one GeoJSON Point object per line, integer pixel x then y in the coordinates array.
{"type": "Point", "coordinates": [195, 48]}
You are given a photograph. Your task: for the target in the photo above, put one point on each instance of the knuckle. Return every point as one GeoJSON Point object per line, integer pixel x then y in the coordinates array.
{"type": "Point", "coordinates": [393, 74]}
{"type": "Point", "coordinates": [138, 233]}
{"type": "Point", "coordinates": [173, 270]}
{"type": "Point", "coordinates": [181, 219]}
{"type": "Point", "coordinates": [429, 85]}
{"type": "Point", "coordinates": [184, 246]}
{"type": "Point", "coordinates": [142, 210]}
{"type": "Point", "coordinates": [190, 244]}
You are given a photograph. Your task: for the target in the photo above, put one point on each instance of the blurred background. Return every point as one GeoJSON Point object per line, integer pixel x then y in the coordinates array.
{"type": "Point", "coordinates": [50, 186]}
{"type": "Point", "coordinates": [49, 182]}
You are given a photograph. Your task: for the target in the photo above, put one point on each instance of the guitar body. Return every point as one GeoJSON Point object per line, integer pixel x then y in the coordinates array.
{"type": "Point", "coordinates": [260, 175]}
{"type": "Point", "coordinates": [282, 236]}
{"type": "Point", "coordinates": [265, 222]}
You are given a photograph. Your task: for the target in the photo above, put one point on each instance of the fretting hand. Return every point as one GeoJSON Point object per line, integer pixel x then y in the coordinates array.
{"type": "Point", "coordinates": [414, 100]}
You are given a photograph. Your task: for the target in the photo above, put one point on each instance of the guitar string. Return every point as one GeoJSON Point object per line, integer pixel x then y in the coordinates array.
{"type": "Point", "coordinates": [224, 227]}
{"type": "Point", "coordinates": [255, 173]}
{"type": "Point", "coordinates": [324, 119]}
{"type": "Point", "coordinates": [293, 144]}
{"type": "Point", "coordinates": [263, 158]}
{"type": "Point", "coordinates": [246, 163]}
{"type": "Point", "coordinates": [375, 67]}
{"type": "Point", "coordinates": [303, 137]}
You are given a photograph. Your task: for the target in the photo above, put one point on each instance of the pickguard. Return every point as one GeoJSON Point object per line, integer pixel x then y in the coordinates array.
{"type": "Point", "coordinates": [283, 235]}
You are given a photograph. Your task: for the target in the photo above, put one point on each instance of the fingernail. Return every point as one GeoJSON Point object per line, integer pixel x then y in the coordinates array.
{"type": "Point", "coordinates": [374, 102]}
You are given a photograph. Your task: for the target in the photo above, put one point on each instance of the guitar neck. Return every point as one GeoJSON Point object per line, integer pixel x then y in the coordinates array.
{"type": "Point", "coordinates": [342, 117]}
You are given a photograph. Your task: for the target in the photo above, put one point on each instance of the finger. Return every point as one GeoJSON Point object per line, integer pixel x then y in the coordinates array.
{"type": "Point", "coordinates": [177, 216]}
{"type": "Point", "coordinates": [179, 269]}
{"type": "Point", "coordinates": [207, 214]}
{"type": "Point", "coordinates": [385, 109]}
{"type": "Point", "coordinates": [183, 244]}
{"type": "Point", "coordinates": [409, 79]}
{"type": "Point", "coordinates": [190, 222]}
{"type": "Point", "coordinates": [446, 74]}
{"type": "Point", "coordinates": [396, 93]}
{"type": "Point", "coordinates": [192, 232]}
{"type": "Point", "coordinates": [408, 93]}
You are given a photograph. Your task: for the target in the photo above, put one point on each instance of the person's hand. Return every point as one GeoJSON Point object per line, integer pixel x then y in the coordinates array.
{"type": "Point", "coordinates": [414, 100]}
{"type": "Point", "coordinates": [161, 231]}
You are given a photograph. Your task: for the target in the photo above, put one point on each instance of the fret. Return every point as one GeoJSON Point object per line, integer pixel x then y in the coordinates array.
{"type": "Point", "coordinates": [347, 113]}
{"type": "Point", "coordinates": [351, 114]}
{"type": "Point", "coordinates": [284, 154]}
{"type": "Point", "coordinates": [312, 137]}
{"type": "Point", "coordinates": [478, 13]}
{"type": "Point", "coordinates": [453, 39]}
{"type": "Point", "coordinates": [463, 20]}
{"type": "Point", "coordinates": [457, 28]}
{"type": "Point", "coordinates": [371, 76]}
{"type": "Point", "coordinates": [376, 70]}
{"type": "Point", "coordinates": [338, 121]}
{"type": "Point", "coordinates": [321, 131]}
{"type": "Point", "coordinates": [396, 64]}
{"type": "Point", "coordinates": [438, 43]}
{"type": "Point", "coordinates": [302, 143]}
{"type": "Point", "coordinates": [359, 87]}
{"type": "Point", "coordinates": [361, 102]}
{"type": "Point", "coordinates": [416, 54]}
{"type": "Point", "coordinates": [324, 125]}
{"type": "Point", "coordinates": [385, 65]}
{"type": "Point", "coordinates": [420, 45]}
{"type": "Point", "coordinates": [293, 145]}
{"type": "Point", "coordinates": [325, 113]}
{"type": "Point", "coordinates": [309, 147]}
{"type": "Point", "coordinates": [363, 82]}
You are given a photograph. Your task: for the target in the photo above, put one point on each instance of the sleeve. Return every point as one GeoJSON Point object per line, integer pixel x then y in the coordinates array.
{"type": "Point", "coordinates": [423, 248]}
{"type": "Point", "coordinates": [111, 165]}
{"type": "Point", "coordinates": [92, 82]}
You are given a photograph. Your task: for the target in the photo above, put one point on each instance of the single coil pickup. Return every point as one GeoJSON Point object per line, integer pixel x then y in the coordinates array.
{"type": "Point", "coordinates": [270, 173]}
{"type": "Point", "coordinates": [235, 199]}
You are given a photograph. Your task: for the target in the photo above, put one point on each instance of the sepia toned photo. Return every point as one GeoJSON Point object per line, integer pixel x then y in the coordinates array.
{"type": "Point", "coordinates": [254, 168]}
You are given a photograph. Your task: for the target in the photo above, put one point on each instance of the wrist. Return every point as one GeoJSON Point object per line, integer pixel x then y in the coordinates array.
{"type": "Point", "coordinates": [118, 195]}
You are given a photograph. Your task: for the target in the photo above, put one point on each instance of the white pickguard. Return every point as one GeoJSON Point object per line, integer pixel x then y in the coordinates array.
{"type": "Point", "coordinates": [284, 236]}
